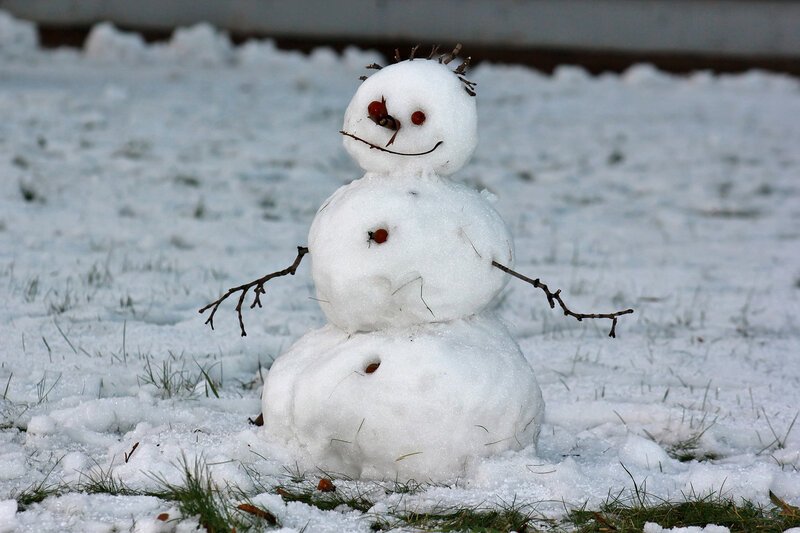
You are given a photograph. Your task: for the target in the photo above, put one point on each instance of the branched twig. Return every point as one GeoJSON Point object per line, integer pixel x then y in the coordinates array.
{"type": "Point", "coordinates": [258, 291]}
{"type": "Point", "coordinates": [462, 68]}
{"type": "Point", "coordinates": [553, 297]}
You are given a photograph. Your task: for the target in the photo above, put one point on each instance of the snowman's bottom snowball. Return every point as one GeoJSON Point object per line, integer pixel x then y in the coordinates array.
{"type": "Point", "coordinates": [413, 403]}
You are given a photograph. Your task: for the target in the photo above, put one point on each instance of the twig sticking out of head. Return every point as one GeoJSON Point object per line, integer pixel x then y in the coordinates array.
{"type": "Point", "coordinates": [462, 68]}
{"type": "Point", "coordinates": [434, 51]}
{"type": "Point", "coordinates": [553, 297]}
{"type": "Point", "coordinates": [397, 57]}
{"type": "Point", "coordinates": [448, 57]}
{"type": "Point", "coordinates": [258, 290]}
{"type": "Point", "coordinates": [413, 52]}
{"type": "Point", "coordinates": [469, 86]}
{"type": "Point", "coordinates": [374, 66]}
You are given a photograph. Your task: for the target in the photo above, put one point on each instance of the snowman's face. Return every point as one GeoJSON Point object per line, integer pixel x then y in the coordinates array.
{"type": "Point", "coordinates": [411, 117]}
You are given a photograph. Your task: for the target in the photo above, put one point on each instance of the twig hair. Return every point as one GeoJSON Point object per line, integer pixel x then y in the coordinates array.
{"type": "Point", "coordinates": [444, 59]}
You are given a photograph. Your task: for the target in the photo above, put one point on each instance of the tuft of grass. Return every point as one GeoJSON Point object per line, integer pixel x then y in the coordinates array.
{"type": "Point", "coordinates": [99, 275]}
{"type": "Point", "coordinates": [37, 492]}
{"type": "Point", "coordinates": [173, 379]}
{"type": "Point", "coordinates": [625, 517]}
{"type": "Point", "coordinates": [689, 449]}
{"type": "Point", "coordinates": [102, 481]}
{"type": "Point", "coordinates": [505, 518]}
{"type": "Point", "coordinates": [42, 390]}
{"type": "Point", "coordinates": [778, 442]}
{"type": "Point", "coordinates": [196, 496]}
{"type": "Point", "coordinates": [628, 515]}
{"type": "Point", "coordinates": [326, 501]}
{"type": "Point", "coordinates": [199, 496]}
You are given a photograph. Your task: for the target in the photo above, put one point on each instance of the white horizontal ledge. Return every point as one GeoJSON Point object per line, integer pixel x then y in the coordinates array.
{"type": "Point", "coordinates": [719, 27]}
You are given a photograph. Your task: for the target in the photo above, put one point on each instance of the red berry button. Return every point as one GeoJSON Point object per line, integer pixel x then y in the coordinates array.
{"type": "Point", "coordinates": [377, 109]}
{"type": "Point", "coordinates": [379, 235]}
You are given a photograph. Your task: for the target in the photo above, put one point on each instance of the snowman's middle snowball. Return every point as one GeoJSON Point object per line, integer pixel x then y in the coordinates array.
{"type": "Point", "coordinates": [434, 265]}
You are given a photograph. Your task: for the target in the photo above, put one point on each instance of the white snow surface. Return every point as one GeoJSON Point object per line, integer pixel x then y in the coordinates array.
{"type": "Point", "coordinates": [136, 190]}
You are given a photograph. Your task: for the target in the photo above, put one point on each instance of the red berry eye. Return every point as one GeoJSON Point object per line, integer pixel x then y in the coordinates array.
{"type": "Point", "coordinates": [380, 235]}
{"type": "Point", "coordinates": [418, 117]}
{"type": "Point", "coordinates": [377, 109]}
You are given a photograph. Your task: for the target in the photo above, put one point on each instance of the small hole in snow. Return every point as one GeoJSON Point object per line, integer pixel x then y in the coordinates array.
{"type": "Point", "coordinates": [372, 367]}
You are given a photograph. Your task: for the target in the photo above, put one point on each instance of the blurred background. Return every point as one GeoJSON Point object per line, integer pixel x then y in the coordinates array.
{"type": "Point", "coordinates": [600, 35]}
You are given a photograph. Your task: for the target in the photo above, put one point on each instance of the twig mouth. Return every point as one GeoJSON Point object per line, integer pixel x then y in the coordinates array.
{"type": "Point", "coordinates": [376, 147]}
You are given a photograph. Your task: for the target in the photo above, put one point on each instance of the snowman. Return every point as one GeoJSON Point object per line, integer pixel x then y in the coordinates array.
{"type": "Point", "coordinates": [413, 377]}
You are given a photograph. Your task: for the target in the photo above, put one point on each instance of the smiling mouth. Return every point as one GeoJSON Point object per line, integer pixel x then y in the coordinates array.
{"type": "Point", "coordinates": [376, 147]}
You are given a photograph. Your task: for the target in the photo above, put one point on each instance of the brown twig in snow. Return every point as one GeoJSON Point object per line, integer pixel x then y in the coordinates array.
{"type": "Point", "coordinates": [553, 297]}
{"type": "Point", "coordinates": [258, 290]}
{"type": "Point", "coordinates": [130, 453]}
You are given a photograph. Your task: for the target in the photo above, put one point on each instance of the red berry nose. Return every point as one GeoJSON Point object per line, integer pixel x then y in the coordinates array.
{"type": "Point", "coordinates": [418, 117]}
{"type": "Point", "coordinates": [379, 235]}
{"type": "Point", "coordinates": [377, 109]}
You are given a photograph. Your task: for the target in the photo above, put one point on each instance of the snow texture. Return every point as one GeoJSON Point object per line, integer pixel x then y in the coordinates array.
{"type": "Point", "coordinates": [132, 192]}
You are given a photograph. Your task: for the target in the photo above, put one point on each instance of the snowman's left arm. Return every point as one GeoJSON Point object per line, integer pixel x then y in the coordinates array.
{"type": "Point", "coordinates": [553, 297]}
{"type": "Point", "coordinates": [258, 290]}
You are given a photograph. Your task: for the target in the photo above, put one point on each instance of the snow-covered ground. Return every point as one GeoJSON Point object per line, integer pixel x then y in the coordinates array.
{"type": "Point", "coordinates": [138, 182]}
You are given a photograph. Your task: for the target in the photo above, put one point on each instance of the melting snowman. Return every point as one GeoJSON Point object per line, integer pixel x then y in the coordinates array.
{"type": "Point", "coordinates": [413, 377]}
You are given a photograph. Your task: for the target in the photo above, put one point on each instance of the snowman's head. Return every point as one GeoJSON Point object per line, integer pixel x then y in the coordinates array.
{"type": "Point", "coordinates": [415, 116]}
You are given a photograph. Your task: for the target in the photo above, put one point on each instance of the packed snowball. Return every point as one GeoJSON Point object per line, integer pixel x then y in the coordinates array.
{"type": "Point", "coordinates": [414, 116]}
{"type": "Point", "coordinates": [391, 251]}
{"type": "Point", "coordinates": [421, 402]}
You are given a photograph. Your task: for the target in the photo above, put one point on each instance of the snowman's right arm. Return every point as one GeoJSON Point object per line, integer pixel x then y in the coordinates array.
{"type": "Point", "coordinates": [258, 290]}
{"type": "Point", "coordinates": [553, 297]}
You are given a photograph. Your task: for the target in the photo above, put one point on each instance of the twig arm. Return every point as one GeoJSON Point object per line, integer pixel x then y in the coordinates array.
{"type": "Point", "coordinates": [258, 290]}
{"type": "Point", "coordinates": [555, 297]}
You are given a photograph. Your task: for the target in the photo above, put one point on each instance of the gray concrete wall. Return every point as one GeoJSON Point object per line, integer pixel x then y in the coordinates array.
{"type": "Point", "coordinates": [718, 27]}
